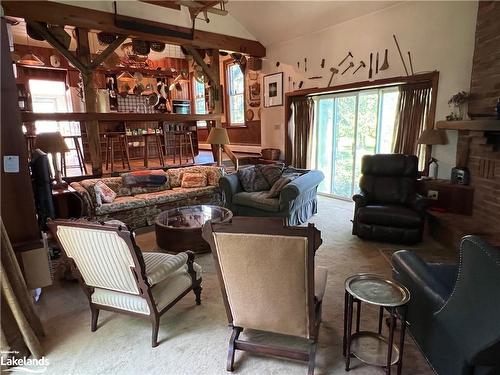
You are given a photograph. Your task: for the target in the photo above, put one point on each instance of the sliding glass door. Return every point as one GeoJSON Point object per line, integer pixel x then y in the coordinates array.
{"type": "Point", "coordinates": [348, 126]}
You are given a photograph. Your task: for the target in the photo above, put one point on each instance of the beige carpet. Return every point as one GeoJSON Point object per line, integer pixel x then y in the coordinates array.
{"type": "Point", "coordinates": [193, 339]}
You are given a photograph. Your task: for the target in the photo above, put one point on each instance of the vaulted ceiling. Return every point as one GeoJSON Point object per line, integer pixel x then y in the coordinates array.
{"type": "Point", "coordinates": [277, 21]}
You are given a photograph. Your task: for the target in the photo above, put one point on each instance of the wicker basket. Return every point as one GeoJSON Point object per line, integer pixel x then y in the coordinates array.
{"type": "Point", "coordinates": [254, 63]}
{"type": "Point", "coordinates": [270, 153]}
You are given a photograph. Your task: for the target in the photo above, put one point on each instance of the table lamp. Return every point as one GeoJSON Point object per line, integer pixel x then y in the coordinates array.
{"type": "Point", "coordinates": [218, 136]}
{"type": "Point", "coordinates": [53, 143]}
{"type": "Point", "coordinates": [430, 137]}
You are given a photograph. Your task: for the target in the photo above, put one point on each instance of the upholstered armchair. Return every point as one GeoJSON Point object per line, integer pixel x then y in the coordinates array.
{"type": "Point", "coordinates": [269, 283]}
{"type": "Point", "coordinates": [388, 207]}
{"type": "Point", "coordinates": [117, 276]}
{"type": "Point", "coordinates": [454, 311]}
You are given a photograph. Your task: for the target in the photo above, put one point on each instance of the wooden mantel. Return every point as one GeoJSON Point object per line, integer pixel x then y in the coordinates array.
{"type": "Point", "coordinates": [115, 116]}
{"type": "Point", "coordinates": [473, 125]}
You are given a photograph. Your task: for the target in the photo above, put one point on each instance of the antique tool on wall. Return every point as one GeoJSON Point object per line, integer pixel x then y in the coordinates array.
{"type": "Point", "coordinates": [322, 63]}
{"type": "Point", "coordinates": [300, 84]}
{"type": "Point", "coordinates": [370, 72]}
{"type": "Point", "coordinates": [385, 64]}
{"type": "Point", "coordinates": [351, 65]}
{"type": "Point", "coordinates": [411, 63]}
{"type": "Point", "coordinates": [334, 71]}
{"type": "Point", "coordinates": [361, 65]}
{"type": "Point", "coordinates": [400, 54]}
{"type": "Point", "coordinates": [376, 64]}
{"type": "Point", "coordinates": [305, 64]}
{"type": "Point", "coordinates": [345, 58]}
{"type": "Point", "coordinates": [298, 65]}
{"type": "Point", "coordinates": [315, 77]}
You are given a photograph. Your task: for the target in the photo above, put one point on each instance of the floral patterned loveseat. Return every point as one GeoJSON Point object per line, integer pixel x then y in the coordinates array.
{"type": "Point", "coordinates": [138, 206]}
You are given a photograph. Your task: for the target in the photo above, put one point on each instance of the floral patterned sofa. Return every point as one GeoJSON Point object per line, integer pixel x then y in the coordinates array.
{"type": "Point", "coordinates": [138, 206]}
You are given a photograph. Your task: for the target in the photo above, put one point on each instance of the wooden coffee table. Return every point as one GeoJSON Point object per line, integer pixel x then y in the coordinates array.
{"type": "Point", "coordinates": [179, 229]}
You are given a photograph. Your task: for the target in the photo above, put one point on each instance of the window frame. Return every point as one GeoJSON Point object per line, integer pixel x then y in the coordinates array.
{"type": "Point", "coordinates": [194, 82]}
{"type": "Point", "coordinates": [227, 64]}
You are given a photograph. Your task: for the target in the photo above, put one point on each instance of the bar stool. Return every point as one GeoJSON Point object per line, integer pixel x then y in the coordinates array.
{"type": "Point", "coordinates": [79, 153]}
{"type": "Point", "coordinates": [110, 149]}
{"type": "Point", "coordinates": [180, 143]}
{"type": "Point", "coordinates": [155, 137]}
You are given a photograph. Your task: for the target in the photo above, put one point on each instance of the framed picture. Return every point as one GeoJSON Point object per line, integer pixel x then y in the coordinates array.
{"type": "Point", "coordinates": [273, 90]}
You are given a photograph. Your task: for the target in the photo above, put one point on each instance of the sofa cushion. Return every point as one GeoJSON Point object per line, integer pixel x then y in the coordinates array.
{"type": "Point", "coordinates": [258, 199]}
{"type": "Point", "coordinates": [114, 183]}
{"type": "Point", "coordinates": [271, 172]}
{"type": "Point", "coordinates": [161, 197]}
{"type": "Point", "coordinates": [193, 180]}
{"type": "Point", "coordinates": [252, 179]}
{"type": "Point", "coordinates": [389, 215]}
{"type": "Point", "coordinates": [213, 174]}
{"type": "Point", "coordinates": [104, 194]}
{"type": "Point", "coordinates": [145, 178]}
{"type": "Point", "coordinates": [120, 204]}
{"type": "Point", "coordinates": [196, 192]}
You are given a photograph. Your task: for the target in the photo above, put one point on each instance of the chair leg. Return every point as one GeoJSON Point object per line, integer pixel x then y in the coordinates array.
{"type": "Point", "coordinates": [197, 292]}
{"type": "Point", "coordinates": [312, 358]}
{"type": "Point", "coordinates": [107, 152]}
{"type": "Point", "coordinates": [154, 334]}
{"type": "Point", "coordinates": [231, 350]}
{"type": "Point", "coordinates": [125, 147]}
{"type": "Point", "coordinates": [95, 316]}
{"type": "Point", "coordinates": [191, 147]}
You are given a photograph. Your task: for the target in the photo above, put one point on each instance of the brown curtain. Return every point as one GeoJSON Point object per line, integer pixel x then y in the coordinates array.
{"type": "Point", "coordinates": [300, 129]}
{"type": "Point", "coordinates": [20, 326]}
{"type": "Point", "coordinates": [412, 117]}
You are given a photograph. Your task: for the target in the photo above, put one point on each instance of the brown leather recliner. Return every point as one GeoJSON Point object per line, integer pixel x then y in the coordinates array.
{"type": "Point", "coordinates": [388, 207]}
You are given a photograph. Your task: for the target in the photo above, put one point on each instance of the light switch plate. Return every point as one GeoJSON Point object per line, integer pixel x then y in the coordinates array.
{"type": "Point", "coordinates": [11, 163]}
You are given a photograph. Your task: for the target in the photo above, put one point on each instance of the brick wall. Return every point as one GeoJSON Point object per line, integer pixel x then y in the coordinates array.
{"type": "Point", "coordinates": [485, 81]}
{"type": "Point", "coordinates": [483, 149]}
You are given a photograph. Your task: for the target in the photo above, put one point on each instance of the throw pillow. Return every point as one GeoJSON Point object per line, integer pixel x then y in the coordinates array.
{"type": "Point", "coordinates": [193, 180]}
{"type": "Point", "coordinates": [103, 193]}
{"type": "Point", "coordinates": [281, 183]}
{"type": "Point", "coordinates": [271, 172]}
{"type": "Point", "coordinates": [252, 180]}
{"type": "Point", "coordinates": [145, 178]}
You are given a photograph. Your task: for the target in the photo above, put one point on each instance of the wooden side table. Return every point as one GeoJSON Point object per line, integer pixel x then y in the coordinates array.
{"type": "Point", "coordinates": [67, 203]}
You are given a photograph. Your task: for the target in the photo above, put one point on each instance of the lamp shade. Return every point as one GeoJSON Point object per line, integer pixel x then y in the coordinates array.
{"type": "Point", "coordinates": [432, 137]}
{"type": "Point", "coordinates": [218, 136]}
{"type": "Point", "coordinates": [51, 143]}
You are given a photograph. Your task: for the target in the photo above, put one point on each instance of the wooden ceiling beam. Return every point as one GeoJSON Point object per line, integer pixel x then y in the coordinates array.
{"type": "Point", "coordinates": [63, 14]}
{"type": "Point", "coordinates": [107, 52]}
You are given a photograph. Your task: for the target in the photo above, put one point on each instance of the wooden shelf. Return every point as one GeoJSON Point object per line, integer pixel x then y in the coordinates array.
{"type": "Point", "coordinates": [115, 116]}
{"type": "Point", "coordinates": [474, 125]}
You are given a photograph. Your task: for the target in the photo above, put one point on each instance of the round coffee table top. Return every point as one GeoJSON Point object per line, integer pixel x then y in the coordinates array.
{"type": "Point", "coordinates": [377, 290]}
{"type": "Point", "coordinates": [192, 217]}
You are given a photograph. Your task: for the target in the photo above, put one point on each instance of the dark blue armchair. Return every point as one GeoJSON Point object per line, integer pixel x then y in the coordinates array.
{"type": "Point", "coordinates": [454, 311]}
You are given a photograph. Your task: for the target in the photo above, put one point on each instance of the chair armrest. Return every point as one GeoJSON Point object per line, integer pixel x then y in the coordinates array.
{"type": "Point", "coordinates": [165, 267]}
{"type": "Point", "coordinates": [88, 207]}
{"type": "Point", "coordinates": [419, 203]}
{"type": "Point", "coordinates": [300, 185]}
{"type": "Point", "coordinates": [230, 185]}
{"type": "Point", "coordinates": [360, 199]}
{"type": "Point", "coordinates": [417, 276]}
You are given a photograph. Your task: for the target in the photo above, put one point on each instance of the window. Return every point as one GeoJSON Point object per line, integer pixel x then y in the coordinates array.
{"type": "Point", "coordinates": [199, 101]}
{"type": "Point", "coordinates": [348, 126]}
{"type": "Point", "coordinates": [48, 97]}
{"type": "Point", "coordinates": [236, 95]}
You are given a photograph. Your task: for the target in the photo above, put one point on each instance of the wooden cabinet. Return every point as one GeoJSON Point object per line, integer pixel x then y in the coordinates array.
{"type": "Point", "coordinates": [452, 198]}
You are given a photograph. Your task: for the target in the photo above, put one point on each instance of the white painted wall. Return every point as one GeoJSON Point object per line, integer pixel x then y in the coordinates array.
{"type": "Point", "coordinates": [440, 36]}
{"type": "Point", "coordinates": [227, 25]}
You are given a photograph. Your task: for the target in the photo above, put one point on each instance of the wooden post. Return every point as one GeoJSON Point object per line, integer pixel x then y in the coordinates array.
{"type": "Point", "coordinates": [92, 126]}
{"type": "Point", "coordinates": [215, 83]}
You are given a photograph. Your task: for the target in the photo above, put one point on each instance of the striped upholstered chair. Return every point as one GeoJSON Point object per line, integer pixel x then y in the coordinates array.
{"type": "Point", "coordinates": [117, 276]}
{"type": "Point", "coordinates": [269, 283]}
